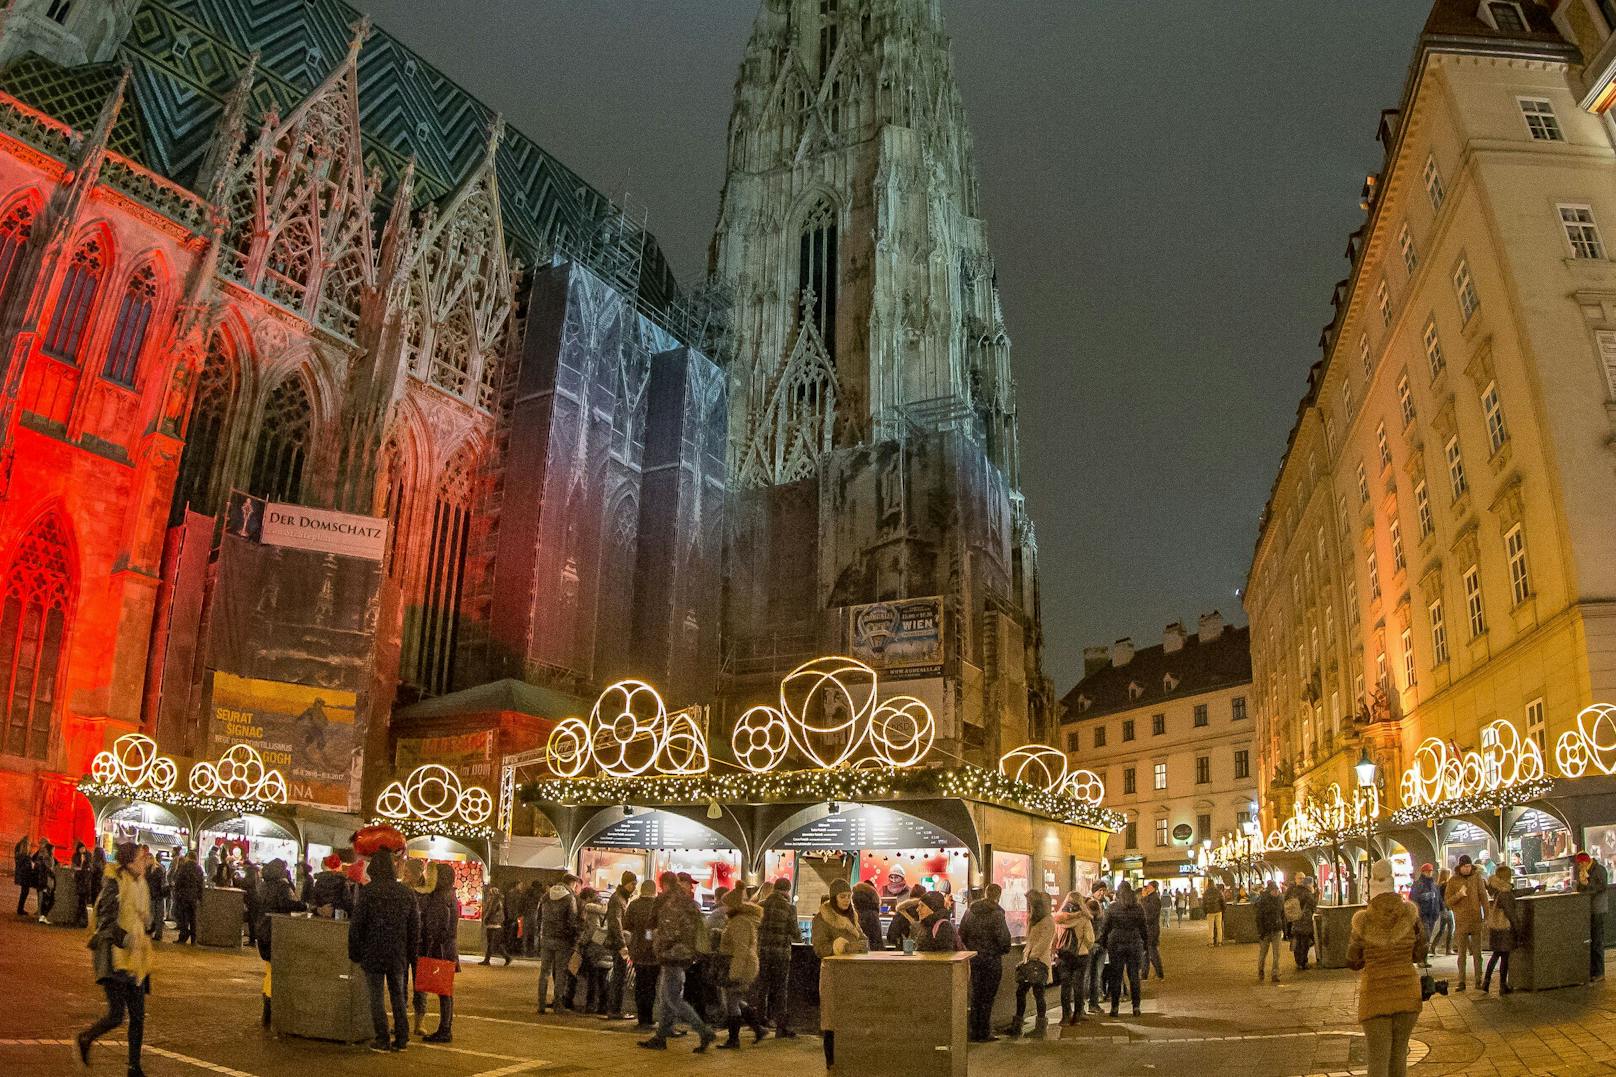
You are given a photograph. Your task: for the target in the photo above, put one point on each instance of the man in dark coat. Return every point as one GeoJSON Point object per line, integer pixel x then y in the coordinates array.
{"type": "Point", "coordinates": [1153, 909]}
{"type": "Point", "coordinates": [188, 885]}
{"type": "Point", "coordinates": [674, 939]}
{"type": "Point", "coordinates": [331, 891]}
{"type": "Point", "coordinates": [778, 933]}
{"type": "Point", "coordinates": [985, 930]}
{"type": "Point", "coordinates": [22, 873]}
{"type": "Point", "coordinates": [45, 878]}
{"type": "Point", "coordinates": [384, 940]}
{"type": "Point", "coordinates": [1270, 910]}
{"type": "Point", "coordinates": [558, 937]}
{"type": "Point", "coordinates": [639, 926]}
{"type": "Point", "coordinates": [81, 885]}
{"type": "Point", "coordinates": [617, 943]}
{"type": "Point", "coordinates": [157, 887]}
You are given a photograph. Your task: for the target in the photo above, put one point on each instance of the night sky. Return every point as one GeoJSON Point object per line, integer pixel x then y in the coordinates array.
{"type": "Point", "coordinates": [1168, 186]}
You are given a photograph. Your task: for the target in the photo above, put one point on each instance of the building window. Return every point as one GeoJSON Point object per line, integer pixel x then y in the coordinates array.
{"type": "Point", "coordinates": [1439, 634]}
{"type": "Point", "coordinates": [1242, 758]}
{"type": "Point", "coordinates": [1399, 562]}
{"type": "Point", "coordinates": [198, 486]}
{"type": "Point", "coordinates": [818, 271]}
{"type": "Point", "coordinates": [1407, 641]}
{"type": "Point", "coordinates": [1473, 606]}
{"type": "Point", "coordinates": [1581, 232]}
{"type": "Point", "coordinates": [1457, 482]}
{"type": "Point", "coordinates": [33, 631]}
{"type": "Point", "coordinates": [1382, 678]}
{"type": "Point", "coordinates": [1130, 834]}
{"type": "Point", "coordinates": [1506, 16]}
{"type": "Point", "coordinates": [1203, 769]}
{"type": "Point", "coordinates": [1363, 485]}
{"type": "Point", "coordinates": [431, 650]}
{"type": "Point", "coordinates": [1383, 300]}
{"type": "Point", "coordinates": [1497, 433]}
{"type": "Point", "coordinates": [1405, 401]}
{"type": "Point", "coordinates": [1203, 827]}
{"type": "Point", "coordinates": [1130, 784]}
{"type": "Point", "coordinates": [1465, 288]}
{"type": "Point", "coordinates": [1160, 776]}
{"type": "Point", "coordinates": [1073, 744]}
{"type": "Point", "coordinates": [1161, 833]}
{"type": "Point", "coordinates": [1382, 446]}
{"type": "Point", "coordinates": [1534, 724]}
{"type": "Point", "coordinates": [1520, 582]}
{"type": "Point", "coordinates": [1158, 724]}
{"type": "Point", "coordinates": [14, 232]}
{"type": "Point", "coordinates": [1540, 119]}
{"type": "Point", "coordinates": [77, 300]}
{"type": "Point", "coordinates": [1352, 602]}
{"type": "Point", "coordinates": [1200, 715]}
{"type": "Point", "coordinates": [58, 10]}
{"type": "Point", "coordinates": [1374, 576]}
{"type": "Point", "coordinates": [1433, 349]}
{"type": "Point", "coordinates": [129, 332]}
{"type": "Point", "coordinates": [1422, 509]}
{"type": "Point", "coordinates": [283, 440]}
{"type": "Point", "coordinates": [1346, 401]}
{"type": "Point", "coordinates": [1238, 706]}
{"type": "Point", "coordinates": [1127, 729]}
{"type": "Point", "coordinates": [1434, 190]}
{"type": "Point", "coordinates": [1365, 357]}
{"type": "Point", "coordinates": [1099, 736]}
{"type": "Point", "coordinates": [1405, 242]}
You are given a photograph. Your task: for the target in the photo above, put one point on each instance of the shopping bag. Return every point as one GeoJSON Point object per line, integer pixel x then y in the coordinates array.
{"type": "Point", "coordinates": [434, 976]}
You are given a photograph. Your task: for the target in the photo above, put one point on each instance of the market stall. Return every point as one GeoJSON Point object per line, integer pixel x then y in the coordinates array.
{"type": "Point", "coordinates": [448, 822]}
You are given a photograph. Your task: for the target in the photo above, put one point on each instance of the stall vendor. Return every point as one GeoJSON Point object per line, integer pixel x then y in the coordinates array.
{"type": "Point", "coordinates": [895, 886]}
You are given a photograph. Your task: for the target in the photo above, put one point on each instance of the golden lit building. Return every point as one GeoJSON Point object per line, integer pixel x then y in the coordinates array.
{"type": "Point", "coordinates": [1438, 553]}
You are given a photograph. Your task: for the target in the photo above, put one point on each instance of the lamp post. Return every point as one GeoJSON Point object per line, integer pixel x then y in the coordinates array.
{"type": "Point", "coordinates": [1248, 843]}
{"type": "Point", "coordinates": [1368, 773]}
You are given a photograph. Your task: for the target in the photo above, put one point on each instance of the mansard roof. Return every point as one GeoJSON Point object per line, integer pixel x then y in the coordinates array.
{"type": "Point", "coordinates": [1196, 668]}
{"type": "Point", "coordinates": [188, 56]}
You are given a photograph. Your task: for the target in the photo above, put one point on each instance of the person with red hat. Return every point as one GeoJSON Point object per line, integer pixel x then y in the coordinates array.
{"type": "Point", "coordinates": [1593, 880]}
{"type": "Point", "coordinates": [331, 889]}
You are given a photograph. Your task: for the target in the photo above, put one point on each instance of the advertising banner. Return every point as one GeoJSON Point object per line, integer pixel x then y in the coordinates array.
{"type": "Point", "coordinates": [307, 733]}
{"type": "Point", "coordinates": [472, 756]}
{"type": "Point", "coordinates": [324, 531]}
{"type": "Point", "coordinates": [900, 639]}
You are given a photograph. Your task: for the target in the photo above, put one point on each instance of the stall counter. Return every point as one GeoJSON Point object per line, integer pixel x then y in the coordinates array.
{"type": "Point", "coordinates": [1552, 950]}
{"type": "Point", "coordinates": [873, 994]}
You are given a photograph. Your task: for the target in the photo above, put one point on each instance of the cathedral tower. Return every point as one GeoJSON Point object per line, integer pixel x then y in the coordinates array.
{"type": "Point", "coordinates": [868, 344]}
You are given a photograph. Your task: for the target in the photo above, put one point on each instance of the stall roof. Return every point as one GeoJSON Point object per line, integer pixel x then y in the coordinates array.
{"type": "Point", "coordinates": [508, 695]}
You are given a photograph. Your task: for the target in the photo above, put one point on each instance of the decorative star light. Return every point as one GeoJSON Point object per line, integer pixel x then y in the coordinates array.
{"type": "Point", "coordinates": [433, 793]}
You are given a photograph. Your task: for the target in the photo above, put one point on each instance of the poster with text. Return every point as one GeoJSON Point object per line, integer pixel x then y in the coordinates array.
{"type": "Point", "coordinates": [308, 733]}
{"type": "Point", "coordinates": [471, 756]}
{"type": "Point", "coordinates": [901, 639]}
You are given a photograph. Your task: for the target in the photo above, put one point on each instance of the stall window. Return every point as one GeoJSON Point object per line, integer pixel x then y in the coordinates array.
{"type": "Point", "coordinates": [1013, 873]}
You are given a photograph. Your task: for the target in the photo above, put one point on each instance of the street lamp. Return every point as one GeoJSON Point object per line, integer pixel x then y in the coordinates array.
{"type": "Point", "coordinates": [1368, 778]}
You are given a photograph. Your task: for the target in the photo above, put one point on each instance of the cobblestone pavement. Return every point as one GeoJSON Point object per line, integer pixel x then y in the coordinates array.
{"type": "Point", "coordinates": [1208, 1017]}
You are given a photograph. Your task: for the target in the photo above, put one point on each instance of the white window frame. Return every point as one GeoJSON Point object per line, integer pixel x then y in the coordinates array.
{"type": "Point", "coordinates": [1542, 124]}
{"type": "Point", "coordinates": [1399, 562]}
{"type": "Point", "coordinates": [1383, 675]}
{"type": "Point", "coordinates": [1475, 607]}
{"type": "Point", "coordinates": [1346, 401]}
{"type": "Point", "coordinates": [1158, 776]}
{"type": "Point", "coordinates": [1383, 300]}
{"type": "Point", "coordinates": [1435, 190]}
{"type": "Point", "coordinates": [1405, 243]}
{"type": "Point", "coordinates": [1439, 634]}
{"type": "Point", "coordinates": [1382, 446]}
{"type": "Point", "coordinates": [1363, 485]}
{"type": "Point", "coordinates": [1365, 356]}
{"type": "Point", "coordinates": [1433, 349]}
{"type": "Point", "coordinates": [1464, 290]}
{"type": "Point", "coordinates": [1409, 678]}
{"type": "Point", "coordinates": [1422, 510]}
{"type": "Point", "coordinates": [1491, 18]}
{"type": "Point", "coordinates": [1405, 401]}
{"type": "Point", "coordinates": [1520, 575]}
{"type": "Point", "coordinates": [1162, 838]}
{"type": "Point", "coordinates": [1493, 411]}
{"type": "Point", "coordinates": [1535, 725]}
{"type": "Point", "coordinates": [1372, 566]}
{"type": "Point", "coordinates": [1581, 232]}
{"type": "Point", "coordinates": [1458, 481]}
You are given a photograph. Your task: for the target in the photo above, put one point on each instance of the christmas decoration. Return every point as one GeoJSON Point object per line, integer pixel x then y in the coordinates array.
{"type": "Point", "coordinates": [432, 794]}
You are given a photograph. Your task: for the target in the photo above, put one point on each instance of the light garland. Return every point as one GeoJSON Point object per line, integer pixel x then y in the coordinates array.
{"type": "Point", "coordinates": [133, 761]}
{"type": "Point", "coordinates": [174, 799]}
{"type": "Point", "coordinates": [1439, 775]}
{"type": "Point", "coordinates": [1591, 745]}
{"type": "Point", "coordinates": [433, 794]}
{"type": "Point", "coordinates": [857, 784]}
{"type": "Point", "coordinates": [239, 774]}
{"type": "Point", "coordinates": [1046, 767]}
{"type": "Point", "coordinates": [1482, 802]}
{"type": "Point", "coordinates": [447, 828]}
{"type": "Point", "coordinates": [1316, 822]}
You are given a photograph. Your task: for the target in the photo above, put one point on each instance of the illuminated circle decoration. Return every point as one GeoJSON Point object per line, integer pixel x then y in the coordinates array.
{"type": "Point", "coordinates": [760, 739]}
{"type": "Point", "coordinates": [240, 774]}
{"type": "Point", "coordinates": [1035, 764]}
{"type": "Point", "coordinates": [433, 793]}
{"type": "Point", "coordinates": [1592, 745]}
{"type": "Point", "coordinates": [1084, 785]}
{"type": "Point", "coordinates": [625, 729]}
{"type": "Point", "coordinates": [682, 744]}
{"type": "Point", "coordinates": [134, 761]}
{"type": "Point", "coordinates": [567, 750]}
{"type": "Point", "coordinates": [901, 731]}
{"type": "Point", "coordinates": [829, 702]}
{"type": "Point", "coordinates": [1438, 774]}
{"type": "Point", "coordinates": [1314, 820]}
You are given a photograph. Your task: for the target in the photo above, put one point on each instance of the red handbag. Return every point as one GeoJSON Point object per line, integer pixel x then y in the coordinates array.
{"type": "Point", "coordinates": [434, 976]}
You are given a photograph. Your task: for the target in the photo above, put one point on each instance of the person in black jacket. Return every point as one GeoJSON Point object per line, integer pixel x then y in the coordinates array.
{"type": "Point", "coordinates": [188, 885]}
{"type": "Point", "coordinates": [440, 918]}
{"type": "Point", "coordinates": [81, 884]}
{"type": "Point", "coordinates": [331, 890]}
{"type": "Point", "coordinates": [1152, 904]}
{"type": "Point", "coordinates": [384, 941]}
{"type": "Point", "coordinates": [275, 895]}
{"type": "Point", "coordinates": [157, 886]}
{"type": "Point", "coordinates": [985, 930]}
{"type": "Point", "coordinates": [1270, 910]}
{"type": "Point", "coordinates": [867, 906]}
{"type": "Point", "coordinates": [45, 878]}
{"type": "Point", "coordinates": [1123, 939]}
{"type": "Point", "coordinates": [22, 873]}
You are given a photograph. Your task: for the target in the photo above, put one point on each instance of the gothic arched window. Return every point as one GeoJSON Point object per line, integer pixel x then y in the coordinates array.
{"type": "Point", "coordinates": [14, 232]}
{"type": "Point", "coordinates": [437, 634]}
{"type": "Point", "coordinates": [343, 292]}
{"type": "Point", "coordinates": [451, 353]}
{"type": "Point", "coordinates": [84, 272]}
{"type": "Point", "coordinates": [33, 631]}
{"type": "Point", "coordinates": [283, 442]}
{"type": "Point", "coordinates": [291, 264]}
{"type": "Point", "coordinates": [129, 332]}
{"type": "Point", "coordinates": [817, 272]}
{"type": "Point", "coordinates": [205, 440]}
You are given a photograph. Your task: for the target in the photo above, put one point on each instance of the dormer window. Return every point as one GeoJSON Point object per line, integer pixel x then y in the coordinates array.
{"type": "Point", "coordinates": [1084, 703]}
{"type": "Point", "coordinates": [1169, 682]}
{"type": "Point", "coordinates": [1135, 689]}
{"type": "Point", "coordinates": [1504, 16]}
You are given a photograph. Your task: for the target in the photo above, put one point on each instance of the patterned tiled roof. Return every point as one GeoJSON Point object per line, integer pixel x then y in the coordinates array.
{"type": "Point", "coordinates": [1194, 668]}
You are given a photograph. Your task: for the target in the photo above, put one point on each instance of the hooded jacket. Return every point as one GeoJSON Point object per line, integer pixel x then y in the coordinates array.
{"type": "Point", "coordinates": [331, 889]}
{"type": "Point", "coordinates": [639, 922]}
{"type": "Point", "coordinates": [1124, 927]}
{"type": "Point", "coordinates": [189, 881]}
{"type": "Point", "coordinates": [740, 943]}
{"type": "Point", "coordinates": [867, 906]}
{"type": "Point", "coordinates": [830, 924]}
{"type": "Point", "coordinates": [780, 928]}
{"type": "Point", "coordinates": [678, 921]}
{"type": "Point", "coordinates": [493, 908]}
{"type": "Point", "coordinates": [592, 924]}
{"type": "Point", "coordinates": [1387, 943]}
{"type": "Point", "coordinates": [440, 914]}
{"type": "Point", "coordinates": [1270, 910]}
{"type": "Point", "coordinates": [558, 918]}
{"type": "Point", "coordinates": [385, 933]}
{"type": "Point", "coordinates": [1076, 935]}
{"type": "Point", "coordinates": [1466, 895]}
{"type": "Point", "coordinates": [1503, 920]}
{"type": "Point", "coordinates": [1426, 898]}
{"type": "Point", "coordinates": [985, 930]}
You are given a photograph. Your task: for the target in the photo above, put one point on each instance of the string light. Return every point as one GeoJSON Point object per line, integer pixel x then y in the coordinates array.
{"type": "Point", "coordinates": [1481, 803]}
{"type": "Point", "coordinates": [448, 828]}
{"type": "Point", "coordinates": [432, 793]}
{"type": "Point", "coordinates": [175, 799]}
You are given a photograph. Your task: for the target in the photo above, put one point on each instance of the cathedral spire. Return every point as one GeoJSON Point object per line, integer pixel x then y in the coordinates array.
{"type": "Point", "coordinates": [232, 128]}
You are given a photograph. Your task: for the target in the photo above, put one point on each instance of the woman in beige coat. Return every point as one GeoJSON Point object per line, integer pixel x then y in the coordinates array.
{"type": "Point", "coordinates": [1387, 944]}
{"type": "Point", "coordinates": [123, 951]}
{"type": "Point", "coordinates": [835, 931]}
{"type": "Point", "coordinates": [739, 943]}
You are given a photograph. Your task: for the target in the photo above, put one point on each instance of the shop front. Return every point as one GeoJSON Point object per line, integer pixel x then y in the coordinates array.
{"type": "Point", "coordinates": [448, 822]}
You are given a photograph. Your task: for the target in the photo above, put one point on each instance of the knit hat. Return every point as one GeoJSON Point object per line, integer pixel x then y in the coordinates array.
{"type": "Point", "coordinates": [840, 886]}
{"type": "Point", "coordinates": [1583, 858]}
{"type": "Point", "coordinates": [1465, 859]}
{"type": "Point", "coordinates": [933, 900]}
{"type": "Point", "coordinates": [1424, 868]}
{"type": "Point", "coordinates": [332, 862]}
{"type": "Point", "coordinates": [1381, 880]}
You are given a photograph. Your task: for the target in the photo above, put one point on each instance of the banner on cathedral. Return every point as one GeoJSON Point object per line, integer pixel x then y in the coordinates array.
{"type": "Point", "coordinates": [901, 639]}
{"type": "Point", "coordinates": [324, 531]}
{"type": "Point", "coordinates": [308, 733]}
{"type": "Point", "coordinates": [474, 757]}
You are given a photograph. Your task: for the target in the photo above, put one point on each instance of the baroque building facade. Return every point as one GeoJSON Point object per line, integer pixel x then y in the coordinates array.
{"type": "Point", "coordinates": [873, 429]}
{"type": "Point", "coordinates": [1437, 553]}
{"type": "Point", "coordinates": [259, 249]}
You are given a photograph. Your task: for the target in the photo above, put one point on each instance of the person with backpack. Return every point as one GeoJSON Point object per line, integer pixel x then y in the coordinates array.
{"type": "Point", "coordinates": [934, 932]}
{"type": "Point", "coordinates": [677, 922]}
{"type": "Point", "coordinates": [1072, 949]}
{"type": "Point", "coordinates": [1300, 902]}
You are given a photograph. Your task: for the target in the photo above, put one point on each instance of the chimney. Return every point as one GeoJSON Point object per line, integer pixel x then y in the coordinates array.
{"type": "Point", "coordinates": [1122, 651]}
{"type": "Point", "coordinates": [1095, 659]}
{"type": "Point", "coordinates": [1173, 637]}
{"type": "Point", "coordinates": [1211, 626]}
